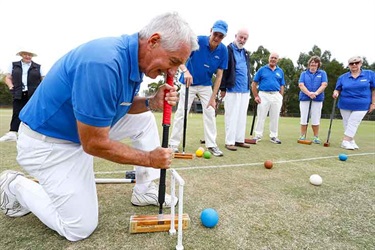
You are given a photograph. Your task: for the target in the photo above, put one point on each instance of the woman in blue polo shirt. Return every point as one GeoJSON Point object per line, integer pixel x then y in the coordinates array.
{"type": "Point", "coordinates": [312, 84]}
{"type": "Point", "coordinates": [356, 89]}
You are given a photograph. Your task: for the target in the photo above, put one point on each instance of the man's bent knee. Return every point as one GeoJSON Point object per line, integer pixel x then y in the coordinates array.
{"type": "Point", "coordinates": [81, 230]}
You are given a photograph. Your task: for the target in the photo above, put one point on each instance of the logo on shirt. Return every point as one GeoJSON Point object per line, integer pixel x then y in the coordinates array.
{"type": "Point", "coordinates": [125, 104]}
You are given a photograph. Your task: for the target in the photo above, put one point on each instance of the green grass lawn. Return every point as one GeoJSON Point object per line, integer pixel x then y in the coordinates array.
{"type": "Point", "coordinates": [259, 208]}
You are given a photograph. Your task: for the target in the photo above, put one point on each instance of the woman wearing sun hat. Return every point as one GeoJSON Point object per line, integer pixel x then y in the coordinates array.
{"type": "Point", "coordinates": [22, 79]}
{"type": "Point", "coordinates": [356, 89]}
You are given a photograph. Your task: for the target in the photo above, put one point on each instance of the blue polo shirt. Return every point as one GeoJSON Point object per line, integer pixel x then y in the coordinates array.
{"type": "Point", "coordinates": [203, 63]}
{"type": "Point", "coordinates": [269, 80]}
{"type": "Point", "coordinates": [242, 83]}
{"type": "Point", "coordinates": [312, 82]}
{"type": "Point", "coordinates": [355, 93]}
{"type": "Point", "coordinates": [94, 84]}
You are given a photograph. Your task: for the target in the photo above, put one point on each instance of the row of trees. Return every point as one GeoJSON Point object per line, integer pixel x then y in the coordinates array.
{"type": "Point", "coordinates": [258, 59]}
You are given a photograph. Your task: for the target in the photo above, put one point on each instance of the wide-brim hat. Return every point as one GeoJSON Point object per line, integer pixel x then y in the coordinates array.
{"type": "Point", "coordinates": [26, 51]}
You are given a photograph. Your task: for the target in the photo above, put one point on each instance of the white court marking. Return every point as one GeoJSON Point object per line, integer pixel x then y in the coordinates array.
{"type": "Point", "coordinates": [246, 164]}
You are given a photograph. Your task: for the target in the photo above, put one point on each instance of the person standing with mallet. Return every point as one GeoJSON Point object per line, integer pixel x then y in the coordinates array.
{"type": "Point", "coordinates": [356, 92]}
{"type": "Point", "coordinates": [210, 60]}
{"type": "Point", "coordinates": [312, 83]}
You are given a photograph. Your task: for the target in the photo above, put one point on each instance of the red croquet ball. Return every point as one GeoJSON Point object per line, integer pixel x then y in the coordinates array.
{"type": "Point", "coordinates": [268, 164]}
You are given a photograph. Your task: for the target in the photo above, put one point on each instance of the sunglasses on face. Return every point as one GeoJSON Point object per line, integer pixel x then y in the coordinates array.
{"type": "Point", "coordinates": [354, 63]}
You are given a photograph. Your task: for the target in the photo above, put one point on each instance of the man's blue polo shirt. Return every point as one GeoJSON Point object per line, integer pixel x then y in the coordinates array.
{"type": "Point", "coordinates": [268, 79]}
{"type": "Point", "coordinates": [312, 82]}
{"type": "Point", "coordinates": [94, 84]}
{"type": "Point", "coordinates": [203, 63]}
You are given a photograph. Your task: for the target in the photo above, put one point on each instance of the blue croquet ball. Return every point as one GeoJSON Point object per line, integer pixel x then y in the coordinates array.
{"type": "Point", "coordinates": [343, 157]}
{"type": "Point", "coordinates": [209, 217]}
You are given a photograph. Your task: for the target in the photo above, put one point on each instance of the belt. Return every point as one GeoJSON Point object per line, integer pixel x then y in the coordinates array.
{"type": "Point", "coordinates": [33, 134]}
{"type": "Point", "coordinates": [269, 92]}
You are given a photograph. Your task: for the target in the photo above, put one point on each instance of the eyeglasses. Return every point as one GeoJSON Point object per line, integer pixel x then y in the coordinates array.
{"type": "Point", "coordinates": [274, 58]}
{"type": "Point", "coordinates": [218, 35]}
{"type": "Point", "coordinates": [354, 63]}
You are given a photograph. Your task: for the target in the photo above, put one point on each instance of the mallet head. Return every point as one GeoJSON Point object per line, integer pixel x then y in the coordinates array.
{"type": "Point", "coordinates": [307, 142]}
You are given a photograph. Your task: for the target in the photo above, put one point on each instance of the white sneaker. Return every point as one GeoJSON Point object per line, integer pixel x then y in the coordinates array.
{"type": "Point", "coordinates": [355, 146]}
{"type": "Point", "coordinates": [8, 202]}
{"type": "Point", "coordinates": [150, 197]}
{"type": "Point", "coordinates": [174, 148]}
{"type": "Point", "coordinates": [10, 136]}
{"type": "Point", "coordinates": [347, 145]}
{"type": "Point", "coordinates": [215, 151]}
{"type": "Point", "coordinates": [258, 138]}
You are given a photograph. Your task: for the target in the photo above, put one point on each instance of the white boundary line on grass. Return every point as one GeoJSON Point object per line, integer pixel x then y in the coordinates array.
{"type": "Point", "coordinates": [246, 164]}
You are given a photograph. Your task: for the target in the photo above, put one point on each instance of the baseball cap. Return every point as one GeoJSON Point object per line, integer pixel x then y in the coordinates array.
{"type": "Point", "coordinates": [220, 26]}
{"type": "Point", "coordinates": [355, 59]}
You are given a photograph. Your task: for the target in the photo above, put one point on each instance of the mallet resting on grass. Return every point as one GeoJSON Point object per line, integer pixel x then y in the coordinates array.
{"type": "Point", "coordinates": [307, 142]}
{"type": "Point", "coordinates": [184, 155]}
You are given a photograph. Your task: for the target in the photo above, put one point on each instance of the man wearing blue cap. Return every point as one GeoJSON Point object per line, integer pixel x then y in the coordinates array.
{"type": "Point", "coordinates": [197, 73]}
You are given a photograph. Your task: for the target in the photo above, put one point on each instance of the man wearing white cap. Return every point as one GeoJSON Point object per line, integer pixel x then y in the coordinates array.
{"type": "Point", "coordinates": [22, 79]}
{"type": "Point", "coordinates": [196, 77]}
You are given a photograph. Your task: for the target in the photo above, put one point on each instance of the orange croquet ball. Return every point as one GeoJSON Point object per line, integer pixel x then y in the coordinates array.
{"type": "Point", "coordinates": [268, 164]}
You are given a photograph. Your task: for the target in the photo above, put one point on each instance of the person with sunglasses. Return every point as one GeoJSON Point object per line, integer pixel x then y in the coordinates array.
{"type": "Point", "coordinates": [356, 89]}
{"type": "Point", "coordinates": [197, 74]}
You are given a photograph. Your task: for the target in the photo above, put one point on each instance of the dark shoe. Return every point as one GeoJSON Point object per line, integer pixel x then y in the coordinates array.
{"type": "Point", "coordinates": [275, 140]}
{"type": "Point", "coordinates": [231, 147]}
{"type": "Point", "coordinates": [242, 145]}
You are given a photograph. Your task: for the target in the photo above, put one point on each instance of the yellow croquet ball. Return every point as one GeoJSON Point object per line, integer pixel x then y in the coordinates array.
{"type": "Point", "coordinates": [199, 152]}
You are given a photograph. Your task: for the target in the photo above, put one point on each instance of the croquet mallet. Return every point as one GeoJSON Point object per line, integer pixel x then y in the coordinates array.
{"type": "Point", "coordinates": [252, 141]}
{"type": "Point", "coordinates": [307, 142]}
{"type": "Point", "coordinates": [160, 222]}
{"type": "Point", "coordinates": [185, 155]}
{"type": "Point", "coordinates": [326, 144]}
